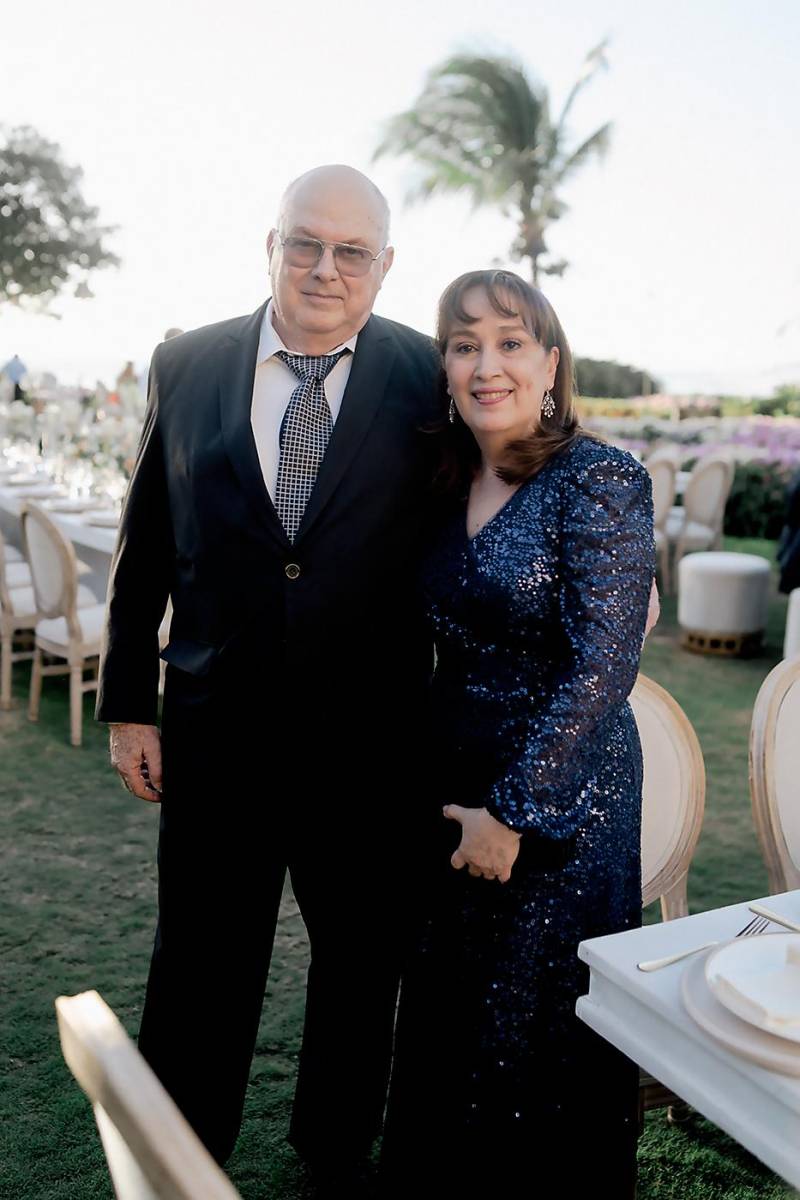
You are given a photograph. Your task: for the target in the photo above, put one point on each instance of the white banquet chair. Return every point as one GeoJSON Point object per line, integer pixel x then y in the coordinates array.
{"type": "Point", "coordinates": [662, 473]}
{"type": "Point", "coordinates": [66, 629]}
{"type": "Point", "coordinates": [152, 1152]}
{"type": "Point", "coordinates": [673, 802]}
{"type": "Point", "coordinates": [697, 523]}
{"type": "Point", "coordinates": [17, 621]}
{"type": "Point", "coordinates": [666, 451]}
{"type": "Point", "coordinates": [18, 575]}
{"type": "Point", "coordinates": [673, 796]}
{"type": "Point", "coordinates": [791, 633]}
{"type": "Point", "coordinates": [775, 772]}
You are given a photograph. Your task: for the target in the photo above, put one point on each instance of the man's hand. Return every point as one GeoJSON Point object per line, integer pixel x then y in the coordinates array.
{"type": "Point", "coordinates": [136, 754]}
{"type": "Point", "coordinates": [653, 609]}
{"type": "Point", "coordinates": [488, 847]}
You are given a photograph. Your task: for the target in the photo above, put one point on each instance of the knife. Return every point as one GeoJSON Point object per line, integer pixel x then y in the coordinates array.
{"type": "Point", "coordinates": [776, 918]}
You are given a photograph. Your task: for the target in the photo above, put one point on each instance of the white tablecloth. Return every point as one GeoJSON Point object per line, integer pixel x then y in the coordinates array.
{"type": "Point", "coordinates": [644, 1016]}
{"type": "Point", "coordinates": [93, 545]}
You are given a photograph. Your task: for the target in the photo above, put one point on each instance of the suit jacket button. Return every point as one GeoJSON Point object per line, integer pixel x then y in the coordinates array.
{"type": "Point", "coordinates": [292, 571]}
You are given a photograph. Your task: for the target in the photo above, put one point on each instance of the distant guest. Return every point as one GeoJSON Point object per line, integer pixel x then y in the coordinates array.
{"type": "Point", "coordinates": [789, 541]}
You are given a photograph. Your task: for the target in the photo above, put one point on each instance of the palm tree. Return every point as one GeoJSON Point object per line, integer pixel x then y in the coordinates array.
{"type": "Point", "coordinates": [482, 126]}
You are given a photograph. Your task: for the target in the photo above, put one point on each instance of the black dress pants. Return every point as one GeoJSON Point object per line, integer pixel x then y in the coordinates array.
{"type": "Point", "coordinates": [235, 815]}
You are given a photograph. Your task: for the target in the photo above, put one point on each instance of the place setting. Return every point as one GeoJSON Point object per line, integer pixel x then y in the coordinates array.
{"type": "Point", "coordinates": [102, 518]}
{"type": "Point", "coordinates": [745, 992]}
{"type": "Point", "coordinates": [40, 491]}
{"type": "Point", "coordinates": [22, 479]}
{"type": "Point", "coordinates": [69, 505]}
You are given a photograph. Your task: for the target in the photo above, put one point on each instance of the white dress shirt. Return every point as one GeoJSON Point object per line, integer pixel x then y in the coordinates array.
{"type": "Point", "coordinates": [273, 385]}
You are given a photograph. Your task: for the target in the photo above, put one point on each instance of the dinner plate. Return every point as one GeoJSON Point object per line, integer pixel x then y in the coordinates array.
{"type": "Point", "coordinates": [740, 1037]}
{"type": "Point", "coordinates": [758, 979]}
{"type": "Point", "coordinates": [69, 506]}
{"type": "Point", "coordinates": [105, 520]}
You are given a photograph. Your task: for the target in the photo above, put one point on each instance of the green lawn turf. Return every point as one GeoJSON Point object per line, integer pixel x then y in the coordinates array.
{"type": "Point", "coordinates": [78, 906]}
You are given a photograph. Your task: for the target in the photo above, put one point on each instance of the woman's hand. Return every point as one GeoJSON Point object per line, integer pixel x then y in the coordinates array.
{"type": "Point", "coordinates": [488, 847]}
{"type": "Point", "coordinates": [653, 609]}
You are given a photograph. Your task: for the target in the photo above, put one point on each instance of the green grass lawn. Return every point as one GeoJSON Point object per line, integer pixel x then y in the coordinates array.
{"type": "Point", "coordinates": [78, 907]}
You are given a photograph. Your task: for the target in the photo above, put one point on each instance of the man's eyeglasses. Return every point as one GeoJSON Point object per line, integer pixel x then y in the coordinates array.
{"type": "Point", "coordinates": [307, 251]}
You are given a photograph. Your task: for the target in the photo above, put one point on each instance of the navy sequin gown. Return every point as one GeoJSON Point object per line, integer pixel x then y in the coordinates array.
{"type": "Point", "coordinates": [538, 621]}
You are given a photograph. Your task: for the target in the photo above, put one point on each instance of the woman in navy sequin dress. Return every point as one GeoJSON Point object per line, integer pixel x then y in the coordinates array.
{"type": "Point", "coordinates": [537, 591]}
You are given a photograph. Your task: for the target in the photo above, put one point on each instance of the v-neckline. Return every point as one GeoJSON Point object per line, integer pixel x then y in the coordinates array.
{"type": "Point", "coordinates": [503, 508]}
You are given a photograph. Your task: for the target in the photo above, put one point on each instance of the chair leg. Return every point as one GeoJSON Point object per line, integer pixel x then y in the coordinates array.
{"type": "Point", "coordinates": [75, 705]}
{"type": "Point", "coordinates": [36, 686]}
{"type": "Point", "coordinates": [675, 901]}
{"type": "Point", "coordinates": [6, 650]}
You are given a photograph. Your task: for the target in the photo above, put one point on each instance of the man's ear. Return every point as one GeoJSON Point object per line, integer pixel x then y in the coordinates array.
{"type": "Point", "coordinates": [386, 261]}
{"type": "Point", "coordinates": [271, 239]}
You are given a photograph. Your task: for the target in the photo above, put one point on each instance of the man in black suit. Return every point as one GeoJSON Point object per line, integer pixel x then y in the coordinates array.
{"type": "Point", "coordinates": [280, 497]}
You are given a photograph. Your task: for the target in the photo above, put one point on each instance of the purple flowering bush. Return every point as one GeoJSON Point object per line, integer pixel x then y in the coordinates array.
{"type": "Point", "coordinates": [765, 449]}
{"type": "Point", "coordinates": [756, 505]}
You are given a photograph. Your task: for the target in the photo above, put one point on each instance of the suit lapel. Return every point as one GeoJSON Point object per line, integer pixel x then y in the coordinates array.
{"type": "Point", "coordinates": [236, 374]}
{"type": "Point", "coordinates": [372, 363]}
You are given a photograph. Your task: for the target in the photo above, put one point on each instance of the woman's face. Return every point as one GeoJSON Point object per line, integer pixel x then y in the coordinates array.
{"type": "Point", "coordinates": [497, 372]}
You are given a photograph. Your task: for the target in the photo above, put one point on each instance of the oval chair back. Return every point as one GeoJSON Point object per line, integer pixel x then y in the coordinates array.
{"type": "Point", "coordinates": [662, 475]}
{"type": "Point", "coordinates": [672, 815]}
{"type": "Point", "coordinates": [673, 796]}
{"type": "Point", "coordinates": [670, 451]}
{"type": "Point", "coordinates": [6, 602]}
{"type": "Point", "coordinates": [54, 567]}
{"type": "Point", "coordinates": [707, 492]}
{"type": "Point", "coordinates": [775, 774]}
{"type": "Point", "coordinates": [152, 1152]}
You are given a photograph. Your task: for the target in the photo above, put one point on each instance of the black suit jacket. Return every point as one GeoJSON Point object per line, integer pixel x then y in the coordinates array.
{"type": "Point", "coordinates": [329, 622]}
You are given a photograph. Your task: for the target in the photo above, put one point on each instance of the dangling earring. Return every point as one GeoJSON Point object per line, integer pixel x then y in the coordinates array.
{"type": "Point", "coordinates": [451, 412]}
{"type": "Point", "coordinates": [548, 405]}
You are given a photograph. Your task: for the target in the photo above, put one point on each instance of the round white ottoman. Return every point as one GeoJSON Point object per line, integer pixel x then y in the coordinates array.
{"type": "Point", "coordinates": [791, 641]}
{"type": "Point", "coordinates": [723, 601]}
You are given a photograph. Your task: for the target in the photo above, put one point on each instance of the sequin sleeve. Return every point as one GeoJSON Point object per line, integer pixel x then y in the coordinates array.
{"type": "Point", "coordinates": [606, 570]}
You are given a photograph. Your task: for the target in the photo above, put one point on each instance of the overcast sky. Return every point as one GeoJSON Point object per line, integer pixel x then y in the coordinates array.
{"type": "Point", "coordinates": [189, 119]}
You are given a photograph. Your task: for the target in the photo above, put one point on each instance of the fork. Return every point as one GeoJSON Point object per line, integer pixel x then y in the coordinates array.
{"type": "Point", "coordinates": [755, 926]}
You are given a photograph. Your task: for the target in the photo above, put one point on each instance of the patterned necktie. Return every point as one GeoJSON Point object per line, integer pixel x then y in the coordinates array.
{"type": "Point", "coordinates": [305, 433]}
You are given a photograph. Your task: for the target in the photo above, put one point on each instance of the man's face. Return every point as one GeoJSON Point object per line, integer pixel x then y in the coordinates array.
{"type": "Point", "coordinates": [318, 307]}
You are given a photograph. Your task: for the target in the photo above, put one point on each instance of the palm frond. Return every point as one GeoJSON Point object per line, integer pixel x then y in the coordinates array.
{"type": "Point", "coordinates": [483, 127]}
{"type": "Point", "coordinates": [594, 61]}
{"type": "Point", "coordinates": [597, 143]}
{"type": "Point", "coordinates": [502, 91]}
{"type": "Point", "coordinates": [452, 160]}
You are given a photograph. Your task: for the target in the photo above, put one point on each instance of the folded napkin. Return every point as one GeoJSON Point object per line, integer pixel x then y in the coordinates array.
{"type": "Point", "coordinates": [769, 994]}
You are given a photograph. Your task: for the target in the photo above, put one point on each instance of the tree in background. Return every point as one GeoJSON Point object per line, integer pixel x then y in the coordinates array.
{"type": "Point", "coordinates": [49, 235]}
{"type": "Point", "coordinates": [784, 402]}
{"type": "Point", "coordinates": [483, 126]}
{"type": "Point", "coordinates": [612, 379]}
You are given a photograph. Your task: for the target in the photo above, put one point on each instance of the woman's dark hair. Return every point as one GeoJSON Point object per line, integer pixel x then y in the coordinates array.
{"type": "Point", "coordinates": [509, 296]}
